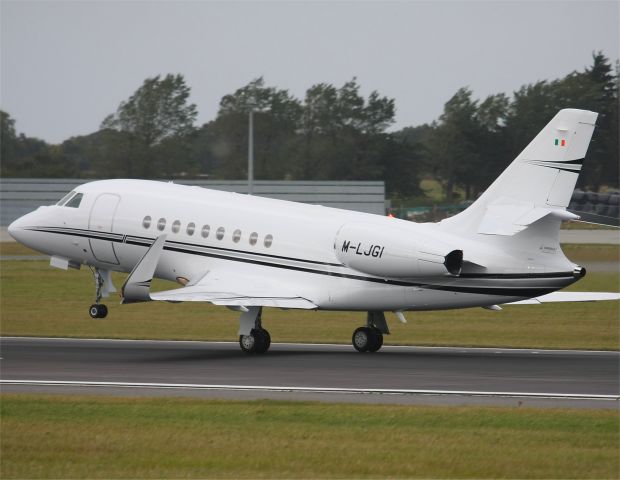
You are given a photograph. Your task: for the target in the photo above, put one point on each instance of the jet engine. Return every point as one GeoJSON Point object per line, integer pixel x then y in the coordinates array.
{"type": "Point", "coordinates": [390, 253]}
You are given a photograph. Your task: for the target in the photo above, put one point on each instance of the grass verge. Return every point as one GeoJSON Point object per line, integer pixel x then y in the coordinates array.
{"type": "Point", "coordinates": [36, 300]}
{"type": "Point", "coordinates": [94, 437]}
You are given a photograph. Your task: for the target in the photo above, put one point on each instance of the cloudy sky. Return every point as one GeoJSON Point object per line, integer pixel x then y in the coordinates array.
{"type": "Point", "coordinates": [65, 65]}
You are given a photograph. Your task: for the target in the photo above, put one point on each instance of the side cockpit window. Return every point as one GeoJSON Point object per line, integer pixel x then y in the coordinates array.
{"type": "Point", "coordinates": [75, 200]}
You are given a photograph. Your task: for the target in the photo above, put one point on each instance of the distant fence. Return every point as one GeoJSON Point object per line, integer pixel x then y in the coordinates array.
{"type": "Point", "coordinates": [19, 196]}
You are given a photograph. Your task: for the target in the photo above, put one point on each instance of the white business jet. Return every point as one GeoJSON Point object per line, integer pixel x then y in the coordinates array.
{"type": "Point", "coordinates": [247, 252]}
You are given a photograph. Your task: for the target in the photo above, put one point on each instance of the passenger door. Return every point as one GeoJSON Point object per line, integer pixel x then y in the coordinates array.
{"type": "Point", "coordinates": [100, 224]}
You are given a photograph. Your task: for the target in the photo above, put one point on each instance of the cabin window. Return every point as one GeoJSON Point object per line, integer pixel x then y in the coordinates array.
{"type": "Point", "coordinates": [205, 231]}
{"type": "Point", "coordinates": [176, 226]}
{"type": "Point", "coordinates": [65, 199]}
{"type": "Point", "coordinates": [161, 224]}
{"type": "Point", "coordinates": [220, 233]}
{"type": "Point", "coordinates": [253, 238]}
{"type": "Point", "coordinates": [146, 223]}
{"type": "Point", "coordinates": [268, 240]}
{"type": "Point", "coordinates": [75, 200]}
{"type": "Point", "coordinates": [190, 228]}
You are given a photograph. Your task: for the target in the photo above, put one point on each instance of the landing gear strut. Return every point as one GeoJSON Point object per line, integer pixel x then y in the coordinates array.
{"type": "Point", "coordinates": [370, 337]}
{"type": "Point", "coordinates": [253, 338]}
{"type": "Point", "coordinates": [98, 310]}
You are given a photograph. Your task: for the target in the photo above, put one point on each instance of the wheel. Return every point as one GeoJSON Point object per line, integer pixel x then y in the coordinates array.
{"type": "Point", "coordinates": [378, 341]}
{"type": "Point", "coordinates": [367, 339]}
{"type": "Point", "coordinates": [361, 339]}
{"type": "Point", "coordinates": [267, 339]}
{"type": "Point", "coordinates": [247, 343]}
{"type": "Point", "coordinates": [258, 341]}
{"type": "Point", "coordinates": [93, 311]}
{"type": "Point", "coordinates": [97, 310]}
{"type": "Point", "coordinates": [263, 340]}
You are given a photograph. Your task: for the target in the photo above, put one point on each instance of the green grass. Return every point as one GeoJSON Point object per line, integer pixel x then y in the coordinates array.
{"type": "Point", "coordinates": [586, 252]}
{"type": "Point", "coordinates": [36, 300]}
{"type": "Point", "coordinates": [94, 437]}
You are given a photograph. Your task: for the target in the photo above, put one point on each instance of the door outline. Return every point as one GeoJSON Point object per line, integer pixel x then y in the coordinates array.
{"type": "Point", "coordinates": [103, 250]}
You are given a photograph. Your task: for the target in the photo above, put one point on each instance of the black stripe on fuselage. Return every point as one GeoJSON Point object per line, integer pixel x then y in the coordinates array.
{"type": "Point", "coordinates": [526, 292]}
{"type": "Point", "coordinates": [147, 242]}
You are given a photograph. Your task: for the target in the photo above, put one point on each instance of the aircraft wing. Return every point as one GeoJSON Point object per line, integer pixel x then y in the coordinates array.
{"type": "Point", "coordinates": [232, 288]}
{"type": "Point", "coordinates": [569, 297]}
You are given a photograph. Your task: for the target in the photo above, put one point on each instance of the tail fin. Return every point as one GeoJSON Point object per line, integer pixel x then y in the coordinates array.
{"type": "Point", "coordinates": [538, 183]}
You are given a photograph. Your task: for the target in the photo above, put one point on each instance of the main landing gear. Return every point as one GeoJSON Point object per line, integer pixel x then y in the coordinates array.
{"type": "Point", "coordinates": [370, 337]}
{"type": "Point", "coordinates": [253, 338]}
{"type": "Point", "coordinates": [98, 310]}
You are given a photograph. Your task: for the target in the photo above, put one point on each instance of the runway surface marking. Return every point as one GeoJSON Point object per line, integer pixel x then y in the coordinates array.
{"type": "Point", "coordinates": [261, 388]}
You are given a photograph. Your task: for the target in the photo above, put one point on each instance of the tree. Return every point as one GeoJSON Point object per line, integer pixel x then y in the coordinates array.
{"type": "Point", "coordinates": [156, 111]}
{"type": "Point", "coordinates": [8, 137]}
{"type": "Point", "coordinates": [454, 144]}
{"type": "Point", "coordinates": [276, 119]}
{"type": "Point", "coordinates": [603, 159]}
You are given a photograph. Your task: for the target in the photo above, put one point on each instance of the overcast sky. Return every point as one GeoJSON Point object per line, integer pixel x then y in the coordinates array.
{"type": "Point", "coordinates": [65, 65]}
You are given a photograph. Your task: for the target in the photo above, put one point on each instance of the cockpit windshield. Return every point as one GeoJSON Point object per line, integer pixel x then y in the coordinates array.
{"type": "Point", "coordinates": [64, 199]}
{"type": "Point", "coordinates": [71, 199]}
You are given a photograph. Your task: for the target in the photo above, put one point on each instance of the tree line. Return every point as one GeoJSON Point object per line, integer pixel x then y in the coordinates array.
{"type": "Point", "coordinates": [333, 133]}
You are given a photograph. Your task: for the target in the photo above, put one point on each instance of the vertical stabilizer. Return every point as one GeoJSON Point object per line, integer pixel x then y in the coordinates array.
{"type": "Point", "coordinates": [537, 184]}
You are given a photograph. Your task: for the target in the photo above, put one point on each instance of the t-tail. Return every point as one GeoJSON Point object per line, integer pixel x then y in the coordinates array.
{"type": "Point", "coordinates": [528, 201]}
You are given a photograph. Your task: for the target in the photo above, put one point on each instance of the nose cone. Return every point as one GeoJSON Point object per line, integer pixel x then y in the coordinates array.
{"type": "Point", "coordinates": [17, 229]}
{"type": "Point", "coordinates": [14, 229]}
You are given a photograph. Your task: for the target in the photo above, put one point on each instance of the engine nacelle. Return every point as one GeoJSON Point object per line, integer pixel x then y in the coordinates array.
{"type": "Point", "coordinates": [389, 253]}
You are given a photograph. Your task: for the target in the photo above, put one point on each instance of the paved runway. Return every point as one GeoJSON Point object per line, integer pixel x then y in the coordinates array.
{"type": "Point", "coordinates": [312, 372]}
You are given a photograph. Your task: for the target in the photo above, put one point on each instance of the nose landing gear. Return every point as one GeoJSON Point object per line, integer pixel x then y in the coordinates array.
{"type": "Point", "coordinates": [98, 310]}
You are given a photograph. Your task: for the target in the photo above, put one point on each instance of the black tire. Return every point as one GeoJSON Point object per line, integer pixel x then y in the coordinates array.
{"type": "Point", "coordinates": [365, 339]}
{"type": "Point", "coordinates": [103, 311]}
{"type": "Point", "coordinates": [378, 341]}
{"type": "Point", "coordinates": [258, 341]}
{"type": "Point", "coordinates": [263, 340]}
{"type": "Point", "coordinates": [93, 311]}
{"type": "Point", "coordinates": [267, 339]}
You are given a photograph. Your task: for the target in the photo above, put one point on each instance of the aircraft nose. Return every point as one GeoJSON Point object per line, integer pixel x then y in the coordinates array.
{"type": "Point", "coordinates": [13, 229]}
{"type": "Point", "coordinates": [16, 229]}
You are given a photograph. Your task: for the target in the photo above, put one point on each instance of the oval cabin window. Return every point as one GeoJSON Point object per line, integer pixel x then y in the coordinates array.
{"type": "Point", "coordinates": [268, 240]}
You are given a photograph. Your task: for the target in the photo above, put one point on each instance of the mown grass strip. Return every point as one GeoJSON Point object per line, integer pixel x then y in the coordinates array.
{"type": "Point", "coordinates": [94, 437]}
{"type": "Point", "coordinates": [36, 300]}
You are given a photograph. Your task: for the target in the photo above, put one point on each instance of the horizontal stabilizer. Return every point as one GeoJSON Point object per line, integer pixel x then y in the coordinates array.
{"type": "Point", "coordinates": [508, 216]}
{"type": "Point", "coordinates": [569, 297]}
